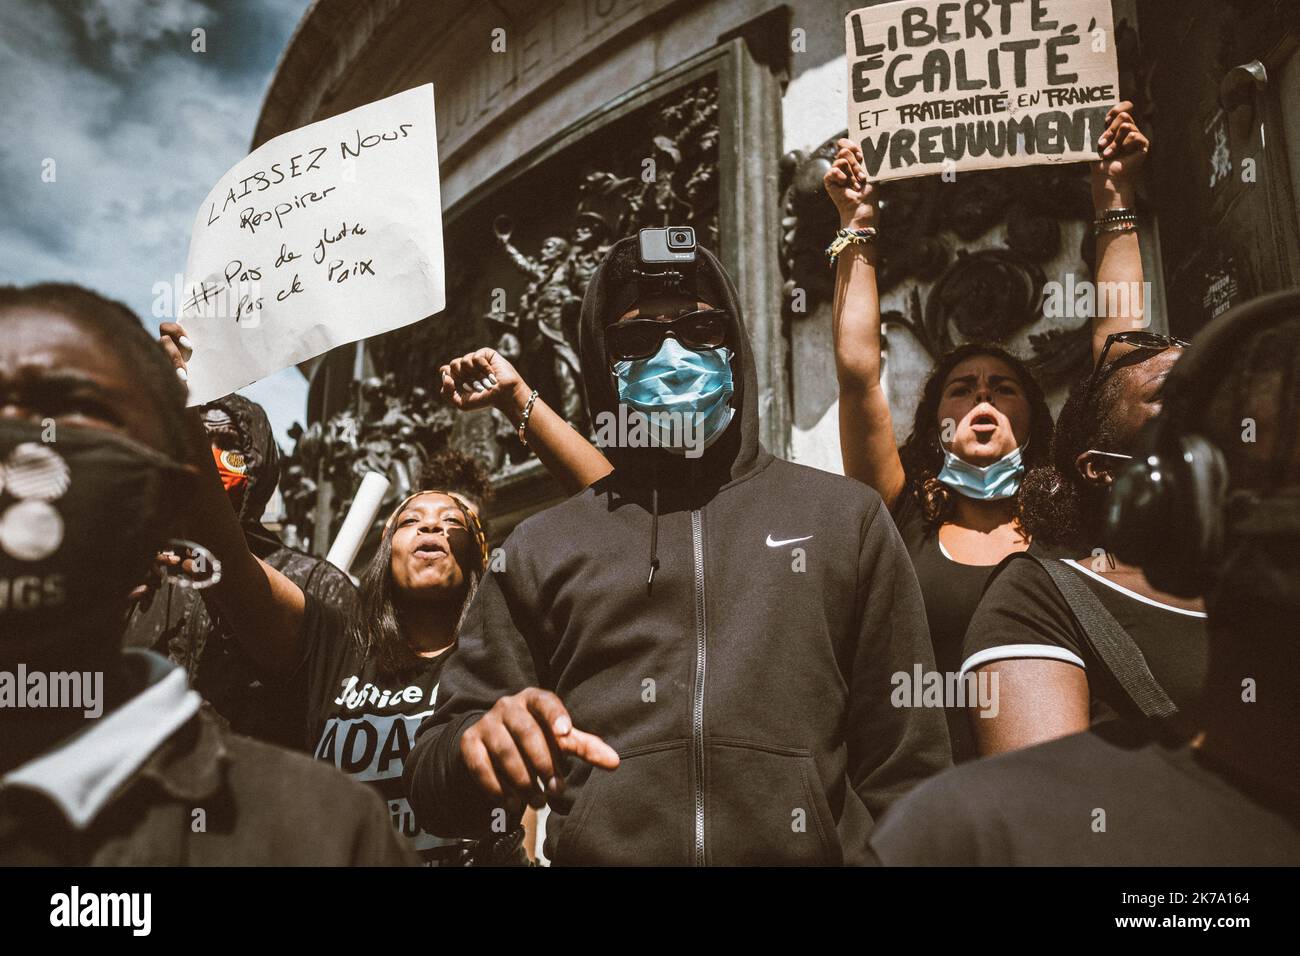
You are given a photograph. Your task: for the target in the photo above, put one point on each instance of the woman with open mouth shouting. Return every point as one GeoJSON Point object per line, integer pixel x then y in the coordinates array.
{"type": "Point", "coordinates": [371, 676]}
{"type": "Point", "coordinates": [982, 421]}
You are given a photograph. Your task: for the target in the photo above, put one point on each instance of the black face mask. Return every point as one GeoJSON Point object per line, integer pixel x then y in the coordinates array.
{"type": "Point", "coordinates": [81, 517]}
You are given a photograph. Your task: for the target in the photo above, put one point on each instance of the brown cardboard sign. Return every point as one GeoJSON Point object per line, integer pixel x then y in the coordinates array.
{"type": "Point", "coordinates": [944, 87]}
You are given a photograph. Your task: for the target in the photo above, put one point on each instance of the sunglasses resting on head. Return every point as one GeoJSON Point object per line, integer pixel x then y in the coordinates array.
{"type": "Point", "coordinates": [1146, 341]}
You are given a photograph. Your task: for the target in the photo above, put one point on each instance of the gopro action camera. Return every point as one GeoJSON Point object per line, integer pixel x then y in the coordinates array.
{"type": "Point", "coordinates": [672, 244]}
{"type": "Point", "coordinates": [667, 260]}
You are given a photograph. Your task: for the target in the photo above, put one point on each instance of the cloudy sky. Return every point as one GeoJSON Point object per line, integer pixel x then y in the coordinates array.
{"type": "Point", "coordinates": [139, 127]}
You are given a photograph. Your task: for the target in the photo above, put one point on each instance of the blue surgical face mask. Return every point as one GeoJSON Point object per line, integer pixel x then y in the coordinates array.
{"type": "Point", "coordinates": [990, 483]}
{"type": "Point", "coordinates": [685, 395]}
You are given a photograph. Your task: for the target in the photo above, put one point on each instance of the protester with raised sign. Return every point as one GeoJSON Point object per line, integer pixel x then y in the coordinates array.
{"type": "Point", "coordinates": [1206, 508]}
{"type": "Point", "coordinates": [981, 420]}
{"type": "Point", "coordinates": [99, 468]}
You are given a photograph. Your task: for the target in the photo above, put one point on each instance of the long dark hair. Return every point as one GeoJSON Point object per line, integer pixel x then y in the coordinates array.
{"type": "Point", "coordinates": [375, 624]}
{"type": "Point", "coordinates": [922, 454]}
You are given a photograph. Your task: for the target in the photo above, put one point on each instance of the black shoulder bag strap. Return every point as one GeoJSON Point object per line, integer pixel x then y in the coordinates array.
{"type": "Point", "coordinates": [1109, 641]}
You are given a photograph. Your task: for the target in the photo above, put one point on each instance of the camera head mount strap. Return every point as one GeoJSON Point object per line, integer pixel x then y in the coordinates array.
{"type": "Point", "coordinates": [661, 283]}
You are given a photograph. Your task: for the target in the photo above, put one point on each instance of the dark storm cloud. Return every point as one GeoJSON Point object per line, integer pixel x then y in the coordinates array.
{"type": "Point", "coordinates": [135, 126]}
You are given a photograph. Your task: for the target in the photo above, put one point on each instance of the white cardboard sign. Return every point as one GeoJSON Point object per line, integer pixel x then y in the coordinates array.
{"type": "Point", "coordinates": [322, 236]}
{"type": "Point", "coordinates": [937, 86]}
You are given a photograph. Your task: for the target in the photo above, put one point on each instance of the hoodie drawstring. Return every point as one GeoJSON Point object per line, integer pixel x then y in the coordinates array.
{"type": "Point", "coordinates": [654, 539]}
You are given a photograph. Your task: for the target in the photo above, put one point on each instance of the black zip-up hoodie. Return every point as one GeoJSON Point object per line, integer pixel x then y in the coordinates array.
{"type": "Point", "coordinates": [747, 690]}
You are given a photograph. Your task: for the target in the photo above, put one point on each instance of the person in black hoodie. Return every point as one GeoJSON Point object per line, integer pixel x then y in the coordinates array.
{"type": "Point", "coordinates": [727, 623]}
{"type": "Point", "coordinates": [190, 629]}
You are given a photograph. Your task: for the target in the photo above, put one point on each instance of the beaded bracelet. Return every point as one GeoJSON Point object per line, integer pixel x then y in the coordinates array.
{"type": "Point", "coordinates": [848, 237]}
{"type": "Point", "coordinates": [1115, 220]}
{"type": "Point", "coordinates": [1103, 228]}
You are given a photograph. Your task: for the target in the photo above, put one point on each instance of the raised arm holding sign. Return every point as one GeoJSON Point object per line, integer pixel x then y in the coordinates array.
{"type": "Point", "coordinates": [322, 236]}
{"type": "Point", "coordinates": [940, 86]}
{"type": "Point", "coordinates": [981, 423]}
{"type": "Point", "coordinates": [866, 427]}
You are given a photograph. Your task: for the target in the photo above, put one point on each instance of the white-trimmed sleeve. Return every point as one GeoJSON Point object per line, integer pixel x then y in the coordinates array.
{"type": "Point", "coordinates": [1006, 652]}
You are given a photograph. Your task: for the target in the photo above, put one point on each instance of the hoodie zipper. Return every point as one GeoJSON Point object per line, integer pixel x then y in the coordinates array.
{"type": "Point", "coordinates": [697, 706]}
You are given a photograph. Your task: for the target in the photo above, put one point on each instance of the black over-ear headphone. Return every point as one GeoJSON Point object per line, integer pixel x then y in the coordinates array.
{"type": "Point", "coordinates": [1168, 510]}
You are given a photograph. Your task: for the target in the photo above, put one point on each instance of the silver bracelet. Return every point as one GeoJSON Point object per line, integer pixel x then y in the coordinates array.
{"type": "Point", "coordinates": [523, 422]}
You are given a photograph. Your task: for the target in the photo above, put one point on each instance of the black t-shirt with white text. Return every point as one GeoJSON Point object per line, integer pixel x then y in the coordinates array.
{"type": "Point", "coordinates": [365, 724]}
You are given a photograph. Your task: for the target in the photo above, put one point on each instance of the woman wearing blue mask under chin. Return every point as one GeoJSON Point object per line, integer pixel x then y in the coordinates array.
{"type": "Point", "coordinates": [981, 422]}
{"type": "Point", "coordinates": [953, 487]}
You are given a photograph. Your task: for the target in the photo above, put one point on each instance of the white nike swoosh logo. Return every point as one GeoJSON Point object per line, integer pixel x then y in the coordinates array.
{"type": "Point", "coordinates": [778, 544]}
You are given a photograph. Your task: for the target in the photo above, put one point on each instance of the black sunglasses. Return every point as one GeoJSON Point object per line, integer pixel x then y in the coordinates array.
{"type": "Point", "coordinates": [642, 337]}
{"type": "Point", "coordinates": [1137, 340]}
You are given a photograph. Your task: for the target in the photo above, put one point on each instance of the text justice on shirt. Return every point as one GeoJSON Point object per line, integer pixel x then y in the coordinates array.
{"type": "Point", "coordinates": [371, 731]}
{"type": "Point", "coordinates": [354, 698]}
